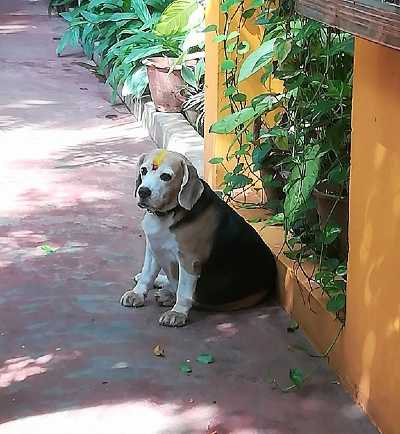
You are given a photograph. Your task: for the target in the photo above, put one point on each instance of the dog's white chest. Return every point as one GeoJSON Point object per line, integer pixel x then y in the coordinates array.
{"type": "Point", "coordinates": [162, 241]}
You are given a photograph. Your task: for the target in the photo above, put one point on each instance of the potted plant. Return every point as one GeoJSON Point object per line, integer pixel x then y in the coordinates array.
{"type": "Point", "coordinates": [121, 35]}
{"type": "Point", "coordinates": [193, 107]}
{"type": "Point", "coordinates": [181, 23]}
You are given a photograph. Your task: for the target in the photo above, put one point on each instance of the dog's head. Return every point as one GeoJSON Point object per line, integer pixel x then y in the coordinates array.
{"type": "Point", "coordinates": [165, 180]}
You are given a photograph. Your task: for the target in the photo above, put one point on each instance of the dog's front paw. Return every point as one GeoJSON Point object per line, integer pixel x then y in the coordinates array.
{"type": "Point", "coordinates": [132, 299]}
{"type": "Point", "coordinates": [173, 319]}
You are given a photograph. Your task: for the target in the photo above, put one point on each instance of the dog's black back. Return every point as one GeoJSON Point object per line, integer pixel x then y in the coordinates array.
{"type": "Point", "coordinates": [240, 264]}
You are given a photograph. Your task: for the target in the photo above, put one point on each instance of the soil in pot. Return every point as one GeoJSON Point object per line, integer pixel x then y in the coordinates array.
{"type": "Point", "coordinates": [334, 208]}
{"type": "Point", "coordinates": [165, 87]}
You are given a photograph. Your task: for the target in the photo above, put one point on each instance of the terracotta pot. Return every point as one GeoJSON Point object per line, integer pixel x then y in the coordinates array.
{"type": "Point", "coordinates": [165, 87]}
{"type": "Point", "coordinates": [334, 208]}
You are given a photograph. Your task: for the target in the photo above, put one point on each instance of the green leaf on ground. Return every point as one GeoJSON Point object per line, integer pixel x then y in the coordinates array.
{"type": "Point", "coordinates": [48, 250]}
{"type": "Point", "coordinates": [296, 375]}
{"type": "Point", "coordinates": [205, 358]}
{"type": "Point", "coordinates": [185, 368]}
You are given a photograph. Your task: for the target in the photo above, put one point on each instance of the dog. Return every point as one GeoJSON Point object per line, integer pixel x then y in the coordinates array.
{"type": "Point", "coordinates": [212, 258]}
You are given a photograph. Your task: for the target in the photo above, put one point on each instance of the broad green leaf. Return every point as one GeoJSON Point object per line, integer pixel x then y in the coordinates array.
{"type": "Point", "coordinates": [282, 143]}
{"type": "Point", "coordinates": [230, 90]}
{"type": "Point", "coordinates": [239, 97]}
{"type": "Point", "coordinates": [339, 174]}
{"type": "Point", "coordinates": [331, 232]}
{"type": "Point", "coordinates": [95, 3]}
{"type": "Point", "coordinates": [225, 107]}
{"type": "Point", "coordinates": [199, 70]}
{"type": "Point", "coordinates": [243, 150]}
{"type": "Point", "coordinates": [232, 35]}
{"type": "Point", "coordinates": [136, 83]}
{"type": "Point", "coordinates": [341, 270]}
{"type": "Point", "coordinates": [282, 48]}
{"type": "Point", "coordinates": [232, 121]}
{"type": "Point", "coordinates": [176, 17]}
{"type": "Point", "coordinates": [257, 59]}
{"type": "Point", "coordinates": [297, 377]}
{"type": "Point", "coordinates": [188, 76]}
{"type": "Point", "coordinates": [140, 7]}
{"type": "Point", "coordinates": [227, 4]}
{"type": "Point", "coordinates": [103, 17]}
{"type": "Point", "coordinates": [205, 358]}
{"type": "Point", "coordinates": [336, 303]}
{"type": "Point", "coordinates": [141, 53]}
{"type": "Point", "coordinates": [71, 38]}
{"type": "Point", "coordinates": [346, 46]}
{"type": "Point", "coordinates": [324, 277]}
{"type": "Point", "coordinates": [216, 160]}
{"type": "Point", "coordinates": [300, 184]}
{"type": "Point", "coordinates": [248, 13]}
{"type": "Point", "coordinates": [277, 219]}
{"type": "Point", "coordinates": [158, 5]}
{"type": "Point", "coordinates": [237, 180]}
{"type": "Point", "coordinates": [227, 65]}
{"type": "Point", "coordinates": [259, 154]}
{"type": "Point", "coordinates": [219, 38]}
{"type": "Point", "coordinates": [210, 28]}
{"type": "Point", "coordinates": [333, 287]}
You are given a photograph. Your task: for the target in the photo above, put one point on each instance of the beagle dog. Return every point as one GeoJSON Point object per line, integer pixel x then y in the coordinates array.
{"type": "Point", "coordinates": [212, 258]}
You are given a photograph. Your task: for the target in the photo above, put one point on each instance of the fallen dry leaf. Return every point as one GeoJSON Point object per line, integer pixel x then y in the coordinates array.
{"type": "Point", "coordinates": [158, 351]}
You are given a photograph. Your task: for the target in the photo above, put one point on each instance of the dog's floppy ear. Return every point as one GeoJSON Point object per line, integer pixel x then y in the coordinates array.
{"type": "Point", "coordinates": [191, 187]}
{"type": "Point", "coordinates": [138, 174]}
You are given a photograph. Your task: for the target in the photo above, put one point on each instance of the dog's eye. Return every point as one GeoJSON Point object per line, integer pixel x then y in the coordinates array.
{"type": "Point", "coordinates": [143, 171]}
{"type": "Point", "coordinates": [165, 177]}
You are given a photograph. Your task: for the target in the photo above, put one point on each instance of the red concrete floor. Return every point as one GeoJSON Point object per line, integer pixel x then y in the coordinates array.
{"type": "Point", "coordinates": [71, 358]}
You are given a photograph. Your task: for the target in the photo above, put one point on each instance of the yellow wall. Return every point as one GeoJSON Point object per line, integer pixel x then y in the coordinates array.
{"type": "Point", "coordinates": [372, 338]}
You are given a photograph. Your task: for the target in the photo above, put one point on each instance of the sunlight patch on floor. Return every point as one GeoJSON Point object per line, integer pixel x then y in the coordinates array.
{"type": "Point", "coordinates": [142, 417]}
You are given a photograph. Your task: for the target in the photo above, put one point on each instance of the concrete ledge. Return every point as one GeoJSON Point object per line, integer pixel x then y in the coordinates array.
{"type": "Point", "coordinates": [173, 132]}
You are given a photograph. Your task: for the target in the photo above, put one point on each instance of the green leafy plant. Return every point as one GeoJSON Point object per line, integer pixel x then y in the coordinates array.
{"type": "Point", "coordinates": [303, 146]}
{"type": "Point", "coordinates": [123, 33]}
{"type": "Point", "coordinates": [194, 78]}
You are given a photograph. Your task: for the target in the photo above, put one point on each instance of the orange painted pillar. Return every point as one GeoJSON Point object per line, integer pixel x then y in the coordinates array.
{"type": "Point", "coordinates": [371, 342]}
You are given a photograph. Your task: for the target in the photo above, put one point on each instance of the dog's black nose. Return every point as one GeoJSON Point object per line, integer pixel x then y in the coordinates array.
{"type": "Point", "coordinates": [144, 192]}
